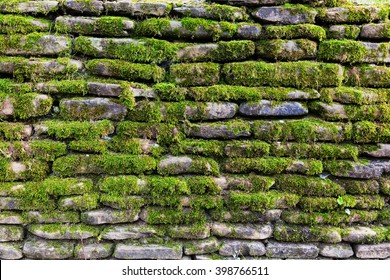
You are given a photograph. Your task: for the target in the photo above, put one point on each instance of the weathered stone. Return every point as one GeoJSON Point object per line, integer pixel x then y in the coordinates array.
{"type": "Point", "coordinates": [91, 26]}
{"type": "Point", "coordinates": [359, 234]}
{"type": "Point", "coordinates": [375, 31]}
{"type": "Point", "coordinates": [184, 164]}
{"type": "Point", "coordinates": [382, 151]}
{"type": "Point", "coordinates": [251, 2]}
{"type": "Point", "coordinates": [142, 92]}
{"type": "Point", "coordinates": [371, 170]}
{"type": "Point", "coordinates": [211, 111]}
{"type": "Point", "coordinates": [206, 246]}
{"type": "Point", "coordinates": [11, 251]}
{"type": "Point", "coordinates": [254, 232]}
{"type": "Point", "coordinates": [10, 218]}
{"type": "Point", "coordinates": [337, 251]}
{"type": "Point", "coordinates": [230, 14]}
{"type": "Point", "coordinates": [49, 45]}
{"type": "Point", "coordinates": [248, 31]}
{"type": "Point", "coordinates": [197, 53]}
{"type": "Point", "coordinates": [273, 109]}
{"type": "Point", "coordinates": [220, 130]}
{"type": "Point", "coordinates": [344, 32]}
{"type": "Point", "coordinates": [188, 232]}
{"type": "Point", "coordinates": [109, 216]}
{"type": "Point", "coordinates": [195, 74]}
{"type": "Point", "coordinates": [291, 250]}
{"type": "Point", "coordinates": [331, 111]}
{"type": "Point", "coordinates": [63, 231]}
{"type": "Point", "coordinates": [293, 233]}
{"type": "Point", "coordinates": [53, 217]}
{"type": "Point", "coordinates": [376, 251]}
{"type": "Point", "coordinates": [11, 233]}
{"type": "Point", "coordinates": [353, 14]}
{"type": "Point", "coordinates": [103, 89]}
{"type": "Point", "coordinates": [92, 109]}
{"type": "Point", "coordinates": [288, 50]}
{"type": "Point", "coordinates": [368, 76]}
{"type": "Point", "coordinates": [7, 108]}
{"type": "Point", "coordinates": [145, 8]}
{"type": "Point", "coordinates": [10, 203]}
{"type": "Point", "coordinates": [148, 252]}
{"type": "Point", "coordinates": [48, 250]}
{"type": "Point", "coordinates": [84, 7]}
{"type": "Point", "coordinates": [94, 251]}
{"type": "Point", "coordinates": [238, 248]}
{"type": "Point", "coordinates": [29, 7]}
{"type": "Point", "coordinates": [133, 231]}
{"type": "Point", "coordinates": [283, 15]}
{"type": "Point", "coordinates": [250, 216]}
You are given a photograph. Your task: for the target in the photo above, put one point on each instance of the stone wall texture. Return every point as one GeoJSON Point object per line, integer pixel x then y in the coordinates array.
{"type": "Point", "coordinates": [228, 129]}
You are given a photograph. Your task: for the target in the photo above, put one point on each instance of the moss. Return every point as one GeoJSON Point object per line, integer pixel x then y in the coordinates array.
{"type": "Point", "coordinates": [195, 74]}
{"type": "Point", "coordinates": [310, 186]}
{"type": "Point", "coordinates": [384, 216]}
{"type": "Point", "coordinates": [338, 166]}
{"type": "Point", "coordinates": [110, 26]}
{"type": "Point", "coordinates": [198, 165]}
{"type": "Point", "coordinates": [367, 76]}
{"type": "Point", "coordinates": [122, 202]}
{"type": "Point", "coordinates": [226, 12]}
{"type": "Point", "coordinates": [345, 32]}
{"type": "Point", "coordinates": [369, 202]}
{"type": "Point", "coordinates": [342, 51]}
{"type": "Point", "coordinates": [169, 91]}
{"type": "Point", "coordinates": [166, 191]}
{"type": "Point", "coordinates": [233, 50]}
{"type": "Point", "coordinates": [206, 202]}
{"type": "Point", "coordinates": [69, 186]}
{"type": "Point", "coordinates": [124, 145]}
{"type": "Point", "coordinates": [199, 147]}
{"type": "Point", "coordinates": [83, 202]}
{"type": "Point", "coordinates": [12, 131]}
{"type": "Point", "coordinates": [146, 111]}
{"type": "Point", "coordinates": [311, 204]}
{"type": "Point", "coordinates": [309, 31]}
{"type": "Point", "coordinates": [370, 132]}
{"type": "Point", "coordinates": [279, 49]}
{"type": "Point", "coordinates": [47, 150]}
{"type": "Point", "coordinates": [120, 185]}
{"type": "Point", "coordinates": [89, 146]}
{"type": "Point", "coordinates": [31, 105]}
{"type": "Point", "coordinates": [214, 28]}
{"type": "Point", "coordinates": [251, 183]}
{"type": "Point", "coordinates": [53, 215]}
{"type": "Point", "coordinates": [318, 151]}
{"type": "Point", "coordinates": [12, 24]}
{"type": "Point", "coordinates": [262, 201]}
{"type": "Point", "coordinates": [301, 74]}
{"type": "Point", "coordinates": [106, 163]}
{"type": "Point", "coordinates": [78, 129]}
{"type": "Point", "coordinates": [202, 185]}
{"type": "Point", "coordinates": [253, 148]}
{"type": "Point", "coordinates": [71, 87]}
{"type": "Point", "coordinates": [355, 95]}
{"type": "Point", "coordinates": [293, 233]}
{"type": "Point", "coordinates": [153, 27]}
{"type": "Point", "coordinates": [33, 170]}
{"type": "Point", "coordinates": [174, 216]}
{"type": "Point", "coordinates": [66, 229]}
{"type": "Point", "coordinates": [125, 70]}
{"type": "Point", "coordinates": [366, 14]}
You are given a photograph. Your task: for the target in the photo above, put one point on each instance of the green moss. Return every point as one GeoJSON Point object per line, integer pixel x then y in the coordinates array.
{"type": "Point", "coordinates": [384, 216]}
{"type": "Point", "coordinates": [345, 32]}
{"type": "Point", "coordinates": [293, 233]}
{"type": "Point", "coordinates": [369, 202]}
{"type": "Point", "coordinates": [355, 95]}
{"type": "Point", "coordinates": [169, 91]}
{"type": "Point", "coordinates": [78, 129]}
{"type": "Point", "coordinates": [214, 28]}
{"type": "Point", "coordinates": [174, 216]}
{"type": "Point", "coordinates": [12, 131]}
{"type": "Point", "coordinates": [66, 229]}
{"type": "Point", "coordinates": [202, 185]}
{"type": "Point", "coordinates": [233, 50]}
{"type": "Point", "coordinates": [199, 147]}
{"type": "Point", "coordinates": [146, 111]}
{"type": "Point", "coordinates": [31, 105]}
{"type": "Point", "coordinates": [309, 31]}
{"type": "Point", "coordinates": [279, 49]}
{"type": "Point", "coordinates": [195, 74]}
{"type": "Point", "coordinates": [367, 76]}
{"type": "Point", "coordinates": [71, 87]}
{"type": "Point", "coordinates": [125, 70]}
{"type": "Point", "coordinates": [338, 166]}
{"type": "Point", "coordinates": [110, 26]}
{"type": "Point", "coordinates": [33, 170]}
{"type": "Point", "coordinates": [225, 12]}
{"type": "Point", "coordinates": [152, 27]}
{"type": "Point", "coordinates": [124, 145]}
{"type": "Point", "coordinates": [69, 186]}
{"type": "Point", "coordinates": [199, 165]}
{"type": "Point", "coordinates": [206, 202]}
{"type": "Point", "coordinates": [106, 163]}
{"type": "Point", "coordinates": [262, 201]}
{"type": "Point", "coordinates": [89, 146]}
{"type": "Point", "coordinates": [83, 202]}
{"type": "Point", "coordinates": [310, 186]}
{"type": "Point", "coordinates": [11, 24]}
{"type": "Point", "coordinates": [47, 150]}
{"type": "Point", "coordinates": [342, 51]}
{"type": "Point", "coordinates": [120, 185]}
{"type": "Point", "coordinates": [311, 204]}
{"type": "Point", "coordinates": [166, 191]}
{"type": "Point", "coordinates": [122, 202]}
{"type": "Point", "coordinates": [253, 148]}
{"type": "Point", "coordinates": [53, 215]}
{"type": "Point", "coordinates": [301, 74]}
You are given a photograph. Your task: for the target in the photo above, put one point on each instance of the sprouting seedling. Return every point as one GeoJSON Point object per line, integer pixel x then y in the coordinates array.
{"type": "Point", "coordinates": [340, 200]}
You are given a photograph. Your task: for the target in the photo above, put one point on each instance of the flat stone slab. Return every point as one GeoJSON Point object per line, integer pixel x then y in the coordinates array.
{"type": "Point", "coordinates": [188, 232]}
{"type": "Point", "coordinates": [109, 216]}
{"type": "Point", "coordinates": [11, 251]}
{"type": "Point", "coordinates": [84, 7]}
{"type": "Point", "coordinates": [376, 251]}
{"type": "Point", "coordinates": [291, 250]}
{"type": "Point", "coordinates": [130, 8]}
{"type": "Point", "coordinates": [64, 231]}
{"type": "Point", "coordinates": [206, 246]}
{"type": "Point", "coordinates": [148, 252]}
{"type": "Point", "coordinates": [11, 233]}
{"type": "Point", "coordinates": [11, 218]}
{"type": "Point", "coordinates": [238, 248]}
{"type": "Point", "coordinates": [273, 109]}
{"type": "Point", "coordinates": [359, 234]}
{"type": "Point", "coordinates": [128, 232]}
{"type": "Point", "coordinates": [48, 250]}
{"type": "Point", "coordinates": [30, 7]}
{"type": "Point", "coordinates": [283, 15]}
{"type": "Point", "coordinates": [337, 251]}
{"type": "Point", "coordinates": [94, 251]}
{"type": "Point", "coordinates": [220, 130]}
{"type": "Point", "coordinates": [254, 232]}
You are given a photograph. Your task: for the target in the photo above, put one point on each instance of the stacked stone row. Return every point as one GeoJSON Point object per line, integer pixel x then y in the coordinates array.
{"type": "Point", "coordinates": [235, 129]}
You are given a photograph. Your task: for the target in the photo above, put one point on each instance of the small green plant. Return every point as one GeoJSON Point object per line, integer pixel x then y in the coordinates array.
{"type": "Point", "coordinates": [340, 200]}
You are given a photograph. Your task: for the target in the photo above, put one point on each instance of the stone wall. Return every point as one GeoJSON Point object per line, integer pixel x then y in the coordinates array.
{"type": "Point", "coordinates": [234, 129]}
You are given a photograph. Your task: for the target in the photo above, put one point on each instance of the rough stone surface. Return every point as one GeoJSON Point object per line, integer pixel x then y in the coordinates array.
{"type": "Point", "coordinates": [11, 218]}
{"type": "Point", "coordinates": [135, 231]}
{"type": "Point", "coordinates": [219, 131]}
{"type": "Point", "coordinates": [48, 250]}
{"type": "Point", "coordinates": [269, 108]}
{"type": "Point", "coordinates": [206, 246]}
{"type": "Point", "coordinates": [63, 233]}
{"type": "Point", "coordinates": [359, 234]}
{"type": "Point", "coordinates": [374, 31]}
{"type": "Point", "coordinates": [372, 170]}
{"type": "Point", "coordinates": [94, 251]}
{"type": "Point", "coordinates": [10, 203]}
{"type": "Point", "coordinates": [253, 232]}
{"type": "Point", "coordinates": [11, 233]}
{"type": "Point", "coordinates": [345, 15]}
{"type": "Point", "coordinates": [84, 7]}
{"type": "Point", "coordinates": [291, 250]}
{"type": "Point", "coordinates": [382, 151]}
{"type": "Point", "coordinates": [242, 248]}
{"type": "Point", "coordinates": [284, 15]}
{"type": "Point", "coordinates": [30, 7]}
{"type": "Point", "coordinates": [376, 251]}
{"type": "Point", "coordinates": [186, 232]}
{"type": "Point", "coordinates": [137, 9]}
{"type": "Point", "coordinates": [212, 111]}
{"type": "Point", "coordinates": [103, 89]}
{"type": "Point", "coordinates": [337, 251]}
{"type": "Point", "coordinates": [11, 251]}
{"type": "Point", "coordinates": [109, 216]}
{"type": "Point", "coordinates": [148, 252]}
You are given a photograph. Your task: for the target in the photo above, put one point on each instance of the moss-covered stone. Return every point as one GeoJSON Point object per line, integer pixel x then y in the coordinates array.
{"type": "Point", "coordinates": [83, 202]}
{"type": "Point", "coordinates": [344, 32]}
{"type": "Point", "coordinates": [223, 130]}
{"type": "Point", "coordinates": [195, 74]}
{"type": "Point", "coordinates": [370, 132]}
{"type": "Point", "coordinates": [11, 24]}
{"type": "Point", "coordinates": [286, 50]}
{"type": "Point", "coordinates": [292, 233]}
{"type": "Point", "coordinates": [25, 170]}
{"type": "Point", "coordinates": [313, 204]}
{"type": "Point", "coordinates": [295, 74]}
{"type": "Point", "coordinates": [89, 146]}
{"type": "Point", "coordinates": [179, 165]}
{"type": "Point", "coordinates": [157, 215]}
{"type": "Point", "coordinates": [368, 76]}
{"type": "Point", "coordinates": [107, 163]}
{"type": "Point", "coordinates": [296, 31]}
{"type": "Point", "coordinates": [355, 95]}
{"type": "Point", "coordinates": [353, 14]}
{"type": "Point", "coordinates": [359, 187]}
{"type": "Point", "coordinates": [252, 148]}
